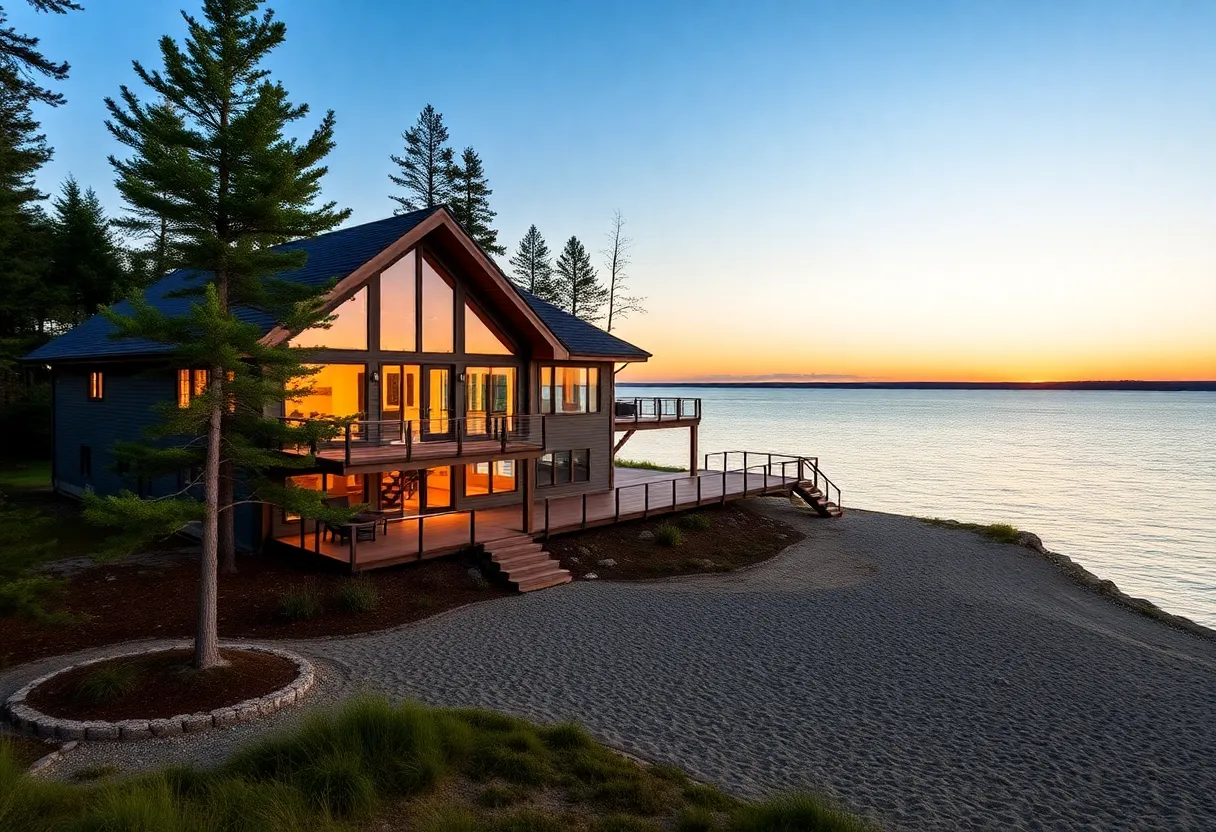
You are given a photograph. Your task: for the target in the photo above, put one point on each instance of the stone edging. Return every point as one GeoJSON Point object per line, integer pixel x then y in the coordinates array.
{"type": "Point", "coordinates": [26, 719]}
{"type": "Point", "coordinates": [1107, 588]}
{"type": "Point", "coordinates": [43, 764]}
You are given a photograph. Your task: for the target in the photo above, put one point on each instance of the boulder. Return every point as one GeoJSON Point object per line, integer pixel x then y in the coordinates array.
{"type": "Point", "coordinates": [646, 535]}
{"type": "Point", "coordinates": [608, 562]}
{"type": "Point", "coordinates": [478, 579]}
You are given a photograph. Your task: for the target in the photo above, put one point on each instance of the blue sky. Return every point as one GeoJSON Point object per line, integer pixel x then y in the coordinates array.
{"type": "Point", "coordinates": [885, 190]}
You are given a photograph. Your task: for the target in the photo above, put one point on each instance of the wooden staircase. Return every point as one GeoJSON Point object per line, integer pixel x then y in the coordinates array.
{"type": "Point", "coordinates": [524, 563]}
{"type": "Point", "coordinates": [813, 497]}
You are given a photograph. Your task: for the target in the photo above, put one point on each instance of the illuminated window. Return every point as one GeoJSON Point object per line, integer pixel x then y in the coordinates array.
{"type": "Point", "coordinates": [97, 386]}
{"type": "Point", "coordinates": [569, 390]}
{"type": "Point", "coordinates": [399, 394]}
{"type": "Point", "coordinates": [399, 305]}
{"type": "Point", "coordinates": [352, 488]}
{"type": "Point", "coordinates": [479, 338]}
{"type": "Point", "coordinates": [190, 385]}
{"type": "Point", "coordinates": [438, 311]}
{"type": "Point", "coordinates": [489, 392]}
{"type": "Point", "coordinates": [489, 478]}
{"type": "Point", "coordinates": [347, 331]}
{"type": "Point", "coordinates": [334, 390]}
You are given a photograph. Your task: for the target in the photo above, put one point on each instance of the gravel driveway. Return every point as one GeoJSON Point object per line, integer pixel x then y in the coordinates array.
{"type": "Point", "coordinates": [926, 677]}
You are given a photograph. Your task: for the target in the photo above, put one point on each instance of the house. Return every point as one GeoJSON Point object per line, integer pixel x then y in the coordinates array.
{"type": "Point", "coordinates": [486, 416]}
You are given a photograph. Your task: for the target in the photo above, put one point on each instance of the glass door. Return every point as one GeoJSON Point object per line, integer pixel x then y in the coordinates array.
{"type": "Point", "coordinates": [437, 404]}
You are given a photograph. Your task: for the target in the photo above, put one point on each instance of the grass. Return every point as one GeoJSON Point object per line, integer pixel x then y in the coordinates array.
{"type": "Point", "coordinates": [108, 684]}
{"type": "Point", "coordinates": [30, 476]}
{"type": "Point", "coordinates": [373, 765]}
{"type": "Point", "coordinates": [645, 466]}
{"type": "Point", "coordinates": [357, 595]}
{"type": "Point", "coordinates": [695, 522]}
{"type": "Point", "coordinates": [97, 772]}
{"type": "Point", "coordinates": [668, 535]}
{"type": "Point", "coordinates": [1000, 532]}
{"type": "Point", "coordinates": [299, 603]}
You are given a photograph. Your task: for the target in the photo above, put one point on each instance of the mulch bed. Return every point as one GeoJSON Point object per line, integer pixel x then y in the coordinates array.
{"type": "Point", "coordinates": [166, 685]}
{"type": "Point", "coordinates": [736, 537]}
{"type": "Point", "coordinates": [157, 598]}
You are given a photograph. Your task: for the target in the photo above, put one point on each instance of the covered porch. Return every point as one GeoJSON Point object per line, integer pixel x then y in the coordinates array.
{"type": "Point", "coordinates": [636, 494]}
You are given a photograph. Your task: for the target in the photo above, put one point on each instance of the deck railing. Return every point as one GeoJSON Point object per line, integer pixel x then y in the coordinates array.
{"type": "Point", "coordinates": [522, 431]}
{"type": "Point", "coordinates": [806, 468]}
{"type": "Point", "coordinates": [419, 519]}
{"type": "Point", "coordinates": [656, 409]}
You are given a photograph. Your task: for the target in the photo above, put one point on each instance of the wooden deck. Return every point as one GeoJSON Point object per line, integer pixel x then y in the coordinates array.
{"type": "Point", "coordinates": [638, 494]}
{"type": "Point", "coordinates": [369, 458]}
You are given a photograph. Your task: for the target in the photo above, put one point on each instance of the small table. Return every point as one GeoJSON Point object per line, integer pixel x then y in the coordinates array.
{"type": "Point", "coordinates": [363, 527]}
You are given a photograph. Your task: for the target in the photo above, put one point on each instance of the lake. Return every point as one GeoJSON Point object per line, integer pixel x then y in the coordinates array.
{"type": "Point", "coordinates": [1122, 482]}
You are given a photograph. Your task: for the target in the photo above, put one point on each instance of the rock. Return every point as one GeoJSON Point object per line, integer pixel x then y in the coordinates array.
{"type": "Point", "coordinates": [165, 727]}
{"type": "Point", "coordinates": [590, 576]}
{"type": "Point", "coordinates": [1030, 541]}
{"type": "Point", "coordinates": [575, 560]}
{"type": "Point", "coordinates": [608, 562]}
{"type": "Point", "coordinates": [195, 723]}
{"type": "Point", "coordinates": [134, 729]}
{"type": "Point", "coordinates": [96, 731]}
{"type": "Point", "coordinates": [584, 551]}
{"type": "Point", "coordinates": [478, 579]}
{"type": "Point", "coordinates": [646, 535]}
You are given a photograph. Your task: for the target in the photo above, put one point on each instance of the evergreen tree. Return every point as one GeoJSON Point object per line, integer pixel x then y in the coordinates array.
{"type": "Point", "coordinates": [21, 62]}
{"type": "Point", "coordinates": [620, 303]}
{"type": "Point", "coordinates": [532, 266]}
{"type": "Point", "coordinates": [471, 201]}
{"type": "Point", "coordinates": [426, 168]}
{"type": "Point", "coordinates": [577, 287]}
{"type": "Point", "coordinates": [241, 187]}
{"type": "Point", "coordinates": [85, 271]}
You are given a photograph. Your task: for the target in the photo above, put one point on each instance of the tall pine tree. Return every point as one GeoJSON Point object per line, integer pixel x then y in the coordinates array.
{"type": "Point", "coordinates": [241, 187]}
{"type": "Point", "coordinates": [426, 168]}
{"type": "Point", "coordinates": [471, 201]}
{"type": "Point", "coordinates": [532, 266]}
{"type": "Point", "coordinates": [21, 62]}
{"type": "Point", "coordinates": [85, 270]}
{"type": "Point", "coordinates": [577, 287]}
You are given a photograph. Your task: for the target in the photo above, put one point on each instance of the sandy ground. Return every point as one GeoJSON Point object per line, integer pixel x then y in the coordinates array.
{"type": "Point", "coordinates": [927, 678]}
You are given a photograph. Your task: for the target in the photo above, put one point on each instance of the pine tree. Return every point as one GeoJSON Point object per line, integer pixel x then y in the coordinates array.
{"type": "Point", "coordinates": [471, 201]}
{"type": "Point", "coordinates": [241, 188]}
{"type": "Point", "coordinates": [85, 270]}
{"type": "Point", "coordinates": [426, 168]}
{"type": "Point", "coordinates": [532, 266]}
{"type": "Point", "coordinates": [578, 289]}
{"type": "Point", "coordinates": [21, 62]}
{"type": "Point", "coordinates": [621, 304]}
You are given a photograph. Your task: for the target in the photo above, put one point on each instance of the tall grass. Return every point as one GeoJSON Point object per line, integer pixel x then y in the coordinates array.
{"type": "Point", "coordinates": [107, 684]}
{"type": "Point", "coordinates": [1000, 532]}
{"type": "Point", "coordinates": [644, 465]}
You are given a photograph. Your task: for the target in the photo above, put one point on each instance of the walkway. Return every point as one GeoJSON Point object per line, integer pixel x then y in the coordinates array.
{"type": "Point", "coordinates": [926, 676]}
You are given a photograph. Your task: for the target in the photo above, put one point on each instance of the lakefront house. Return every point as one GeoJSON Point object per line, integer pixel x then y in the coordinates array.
{"type": "Point", "coordinates": [485, 417]}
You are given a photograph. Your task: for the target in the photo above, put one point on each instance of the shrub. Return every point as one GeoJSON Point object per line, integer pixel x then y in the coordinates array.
{"type": "Point", "coordinates": [29, 596]}
{"type": "Point", "coordinates": [644, 465]}
{"type": "Point", "coordinates": [107, 684]}
{"type": "Point", "coordinates": [300, 603]}
{"type": "Point", "coordinates": [357, 595]}
{"type": "Point", "coordinates": [567, 735]}
{"type": "Point", "coordinates": [695, 522]}
{"type": "Point", "coordinates": [694, 819]}
{"type": "Point", "coordinates": [794, 813]}
{"type": "Point", "coordinates": [337, 783]}
{"type": "Point", "coordinates": [668, 535]}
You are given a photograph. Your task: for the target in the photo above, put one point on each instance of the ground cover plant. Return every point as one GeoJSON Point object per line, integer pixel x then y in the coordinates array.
{"type": "Point", "coordinates": [645, 466]}
{"type": "Point", "coordinates": [373, 765]}
{"type": "Point", "coordinates": [1000, 532]}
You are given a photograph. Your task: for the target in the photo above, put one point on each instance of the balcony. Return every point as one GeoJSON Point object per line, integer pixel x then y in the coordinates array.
{"type": "Point", "coordinates": [367, 446]}
{"type": "Point", "coordinates": [656, 412]}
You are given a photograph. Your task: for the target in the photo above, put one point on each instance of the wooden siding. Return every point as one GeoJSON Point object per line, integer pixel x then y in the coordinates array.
{"type": "Point", "coordinates": [576, 431]}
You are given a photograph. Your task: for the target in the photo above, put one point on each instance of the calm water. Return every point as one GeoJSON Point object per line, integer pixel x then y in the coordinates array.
{"type": "Point", "coordinates": [1123, 482]}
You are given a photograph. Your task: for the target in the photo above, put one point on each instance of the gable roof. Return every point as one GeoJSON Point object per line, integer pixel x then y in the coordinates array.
{"type": "Point", "coordinates": [340, 255]}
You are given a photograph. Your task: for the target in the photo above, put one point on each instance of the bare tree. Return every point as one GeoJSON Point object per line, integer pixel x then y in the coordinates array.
{"type": "Point", "coordinates": [616, 256]}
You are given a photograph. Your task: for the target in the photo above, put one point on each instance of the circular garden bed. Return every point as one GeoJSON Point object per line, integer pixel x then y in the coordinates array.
{"type": "Point", "coordinates": [156, 692]}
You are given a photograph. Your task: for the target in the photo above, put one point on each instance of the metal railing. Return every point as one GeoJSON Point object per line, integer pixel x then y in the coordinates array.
{"type": "Point", "coordinates": [656, 409]}
{"type": "Point", "coordinates": [758, 479]}
{"type": "Point", "coordinates": [521, 431]}
{"type": "Point", "coordinates": [420, 519]}
{"type": "Point", "coordinates": [806, 468]}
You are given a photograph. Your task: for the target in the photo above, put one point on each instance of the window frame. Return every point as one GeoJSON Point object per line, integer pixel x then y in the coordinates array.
{"type": "Point", "coordinates": [491, 490]}
{"type": "Point", "coordinates": [548, 389]}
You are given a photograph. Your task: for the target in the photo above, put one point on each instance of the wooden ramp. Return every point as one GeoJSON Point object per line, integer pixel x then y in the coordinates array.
{"type": "Point", "coordinates": [524, 563]}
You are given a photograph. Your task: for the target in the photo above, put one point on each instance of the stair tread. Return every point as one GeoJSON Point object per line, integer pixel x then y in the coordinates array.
{"type": "Point", "coordinates": [531, 571]}
{"type": "Point", "coordinates": [508, 551]}
{"type": "Point", "coordinates": [522, 561]}
{"type": "Point", "coordinates": [545, 581]}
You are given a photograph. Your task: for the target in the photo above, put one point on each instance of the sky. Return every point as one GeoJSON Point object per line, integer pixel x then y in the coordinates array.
{"type": "Point", "coordinates": [837, 190]}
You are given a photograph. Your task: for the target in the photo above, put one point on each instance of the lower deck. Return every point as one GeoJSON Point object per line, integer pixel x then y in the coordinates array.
{"type": "Point", "coordinates": [637, 494]}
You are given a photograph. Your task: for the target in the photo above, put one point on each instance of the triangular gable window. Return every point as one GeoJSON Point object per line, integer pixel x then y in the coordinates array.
{"type": "Point", "coordinates": [479, 338]}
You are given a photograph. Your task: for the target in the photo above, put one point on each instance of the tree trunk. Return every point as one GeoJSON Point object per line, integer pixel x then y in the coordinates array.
{"type": "Point", "coordinates": [207, 640]}
{"type": "Point", "coordinates": [227, 520]}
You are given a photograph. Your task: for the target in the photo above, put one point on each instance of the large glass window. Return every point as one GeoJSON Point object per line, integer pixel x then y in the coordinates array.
{"type": "Point", "coordinates": [569, 390]}
{"type": "Point", "coordinates": [348, 330]}
{"type": "Point", "coordinates": [438, 311]}
{"type": "Point", "coordinates": [399, 388]}
{"type": "Point", "coordinates": [439, 487]}
{"type": "Point", "coordinates": [563, 467]}
{"type": "Point", "coordinates": [335, 390]}
{"type": "Point", "coordinates": [190, 385]}
{"type": "Point", "coordinates": [398, 306]}
{"type": "Point", "coordinates": [489, 478]}
{"type": "Point", "coordinates": [479, 337]}
{"type": "Point", "coordinates": [350, 488]}
{"type": "Point", "coordinates": [489, 392]}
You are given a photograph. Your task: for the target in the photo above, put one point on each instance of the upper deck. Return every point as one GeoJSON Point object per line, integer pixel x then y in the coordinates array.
{"type": "Point", "coordinates": [648, 413]}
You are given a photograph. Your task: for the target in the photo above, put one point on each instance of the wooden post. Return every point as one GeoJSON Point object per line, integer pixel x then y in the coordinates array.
{"type": "Point", "coordinates": [646, 504]}
{"type": "Point", "coordinates": [528, 475]}
{"type": "Point", "coordinates": [420, 524]}
{"type": "Point", "coordinates": [692, 450]}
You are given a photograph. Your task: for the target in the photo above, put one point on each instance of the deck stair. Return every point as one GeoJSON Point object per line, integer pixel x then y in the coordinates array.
{"type": "Point", "coordinates": [524, 563]}
{"type": "Point", "coordinates": [813, 497]}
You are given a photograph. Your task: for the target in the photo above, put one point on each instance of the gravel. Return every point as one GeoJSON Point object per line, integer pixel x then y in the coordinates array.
{"type": "Point", "coordinates": [926, 677]}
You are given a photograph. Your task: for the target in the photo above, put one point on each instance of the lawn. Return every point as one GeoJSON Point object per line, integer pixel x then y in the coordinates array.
{"type": "Point", "coordinates": [24, 477]}
{"type": "Point", "coordinates": [371, 765]}
{"type": "Point", "coordinates": [645, 466]}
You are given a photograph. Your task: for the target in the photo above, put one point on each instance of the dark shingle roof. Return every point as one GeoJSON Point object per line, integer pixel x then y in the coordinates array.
{"type": "Point", "coordinates": [330, 256]}
{"type": "Point", "coordinates": [578, 336]}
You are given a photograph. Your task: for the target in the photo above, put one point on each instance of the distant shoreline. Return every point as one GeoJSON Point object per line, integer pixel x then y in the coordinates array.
{"type": "Point", "coordinates": [1144, 386]}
